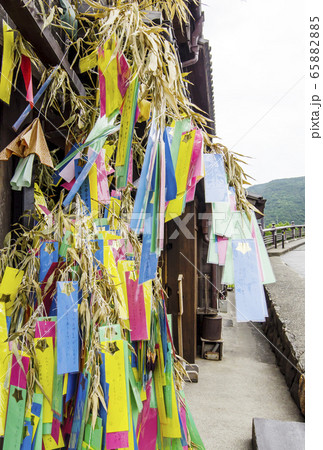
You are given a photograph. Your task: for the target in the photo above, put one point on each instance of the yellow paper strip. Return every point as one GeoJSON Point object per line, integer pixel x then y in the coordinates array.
{"type": "Point", "coordinates": [9, 287]}
{"type": "Point", "coordinates": [4, 365]}
{"type": "Point", "coordinates": [175, 207]}
{"type": "Point", "coordinates": [114, 212]}
{"type": "Point", "coordinates": [7, 63]}
{"type": "Point", "coordinates": [110, 264]}
{"type": "Point", "coordinates": [109, 68]}
{"type": "Point", "coordinates": [93, 179]}
{"type": "Point", "coordinates": [88, 62]}
{"type": "Point", "coordinates": [115, 370]}
{"type": "Point", "coordinates": [45, 358]}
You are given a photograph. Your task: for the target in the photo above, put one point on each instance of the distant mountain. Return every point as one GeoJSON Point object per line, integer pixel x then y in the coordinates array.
{"type": "Point", "coordinates": [285, 200]}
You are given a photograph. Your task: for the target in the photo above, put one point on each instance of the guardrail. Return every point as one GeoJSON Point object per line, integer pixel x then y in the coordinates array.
{"type": "Point", "coordinates": [274, 235]}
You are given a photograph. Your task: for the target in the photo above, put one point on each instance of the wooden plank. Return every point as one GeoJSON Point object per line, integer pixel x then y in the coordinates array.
{"type": "Point", "coordinates": [47, 48]}
{"type": "Point", "coordinates": [186, 265]}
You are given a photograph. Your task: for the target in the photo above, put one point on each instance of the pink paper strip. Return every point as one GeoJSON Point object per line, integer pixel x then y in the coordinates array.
{"type": "Point", "coordinates": [196, 166]}
{"type": "Point", "coordinates": [43, 208]}
{"type": "Point", "coordinates": [18, 377]}
{"type": "Point", "coordinates": [143, 415]}
{"type": "Point", "coordinates": [45, 329]}
{"type": "Point", "coordinates": [102, 86]}
{"type": "Point", "coordinates": [117, 440]}
{"type": "Point", "coordinates": [130, 168]}
{"type": "Point", "coordinates": [120, 252]}
{"type": "Point", "coordinates": [232, 199]}
{"type": "Point", "coordinates": [69, 185]}
{"type": "Point", "coordinates": [148, 433]}
{"type": "Point", "coordinates": [123, 74]}
{"type": "Point", "coordinates": [55, 429]}
{"type": "Point", "coordinates": [222, 249]}
{"type": "Point", "coordinates": [182, 413]}
{"type": "Point", "coordinates": [103, 185]}
{"type": "Point", "coordinates": [68, 172]}
{"type": "Point", "coordinates": [137, 312]}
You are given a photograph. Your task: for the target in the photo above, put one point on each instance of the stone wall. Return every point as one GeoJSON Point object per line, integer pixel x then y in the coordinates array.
{"type": "Point", "coordinates": [289, 359]}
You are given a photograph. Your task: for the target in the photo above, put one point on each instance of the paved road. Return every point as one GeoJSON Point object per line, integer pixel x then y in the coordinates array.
{"type": "Point", "coordinates": [295, 259]}
{"type": "Point", "coordinates": [247, 383]}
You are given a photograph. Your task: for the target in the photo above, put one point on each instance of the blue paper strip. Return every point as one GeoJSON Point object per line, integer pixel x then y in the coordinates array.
{"type": "Point", "coordinates": [79, 410]}
{"type": "Point", "coordinates": [249, 291]}
{"type": "Point", "coordinates": [80, 179]}
{"type": "Point", "coordinates": [26, 443]}
{"type": "Point", "coordinates": [171, 185]}
{"type": "Point", "coordinates": [67, 327]}
{"type": "Point", "coordinates": [144, 184]}
{"type": "Point", "coordinates": [148, 260]}
{"type": "Point", "coordinates": [37, 96]}
{"type": "Point", "coordinates": [215, 181]}
{"type": "Point", "coordinates": [84, 190]}
{"type": "Point", "coordinates": [47, 256]}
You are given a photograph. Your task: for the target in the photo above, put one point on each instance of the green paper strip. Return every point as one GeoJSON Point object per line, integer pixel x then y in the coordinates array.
{"type": "Point", "coordinates": [127, 126]}
{"type": "Point", "coordinates": [15, 419]}
{"type": "Point", "coordinates": [228, 272]}
{"type": "Point", "coordinates": [135, 390]}
{"type": "Point", "coordinates": [23, 173]}
{"type": "Point", "coordinates": [65, 245]}
{"type": "Point", "coordinates": [191, 427]}
{"type": "Point", "coordinates": [93, 438]}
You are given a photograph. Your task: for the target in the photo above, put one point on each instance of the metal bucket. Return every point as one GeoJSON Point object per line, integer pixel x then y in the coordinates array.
{"type": "Point", "coordinates": [212, 328]}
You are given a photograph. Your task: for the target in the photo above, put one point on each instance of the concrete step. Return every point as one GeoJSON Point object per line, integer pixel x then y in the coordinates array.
{"type": "Point", "coordinates": [277, 435]}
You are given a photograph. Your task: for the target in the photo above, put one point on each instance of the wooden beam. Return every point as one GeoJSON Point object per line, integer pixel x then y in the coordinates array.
{"type": "Point", "coordinates": [29, 22]}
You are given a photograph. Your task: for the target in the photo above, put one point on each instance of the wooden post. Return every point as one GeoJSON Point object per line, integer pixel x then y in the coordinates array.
{"type": "Point", "coordinates": [283, 239]}
{"type": "Point", "coordinates": [274, 235]}
{"type": "Point", "coordinates": [293, 229]}
{"type": "Point", "coordinates": [180, 314]}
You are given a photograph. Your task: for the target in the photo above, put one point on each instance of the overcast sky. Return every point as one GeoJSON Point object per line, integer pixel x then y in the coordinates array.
{"type": "Point", "coordinates": [259, 86]}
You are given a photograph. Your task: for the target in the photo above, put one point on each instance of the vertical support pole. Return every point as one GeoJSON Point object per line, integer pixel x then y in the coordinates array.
{"type": "Point", "coordinates": [274, 235]}
{"type": "Point", "coordinates": [283, 239]}
{"type": "Point", "coordinates": [293, 229]}
{"type": "Point", "coordinates": [180, 314]}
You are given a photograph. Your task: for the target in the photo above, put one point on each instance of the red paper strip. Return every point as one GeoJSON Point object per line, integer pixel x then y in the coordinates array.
{"type": "Point", "coordinates": [119, 439]}
{"type": "Point", "coordinates": [137, 311]}
{"type": "Point", "coordinates": [55, 429]}
{"type": "Point", "coordinates": [26, 73]}
{"type": "Point", "coordinates": [18, 377]}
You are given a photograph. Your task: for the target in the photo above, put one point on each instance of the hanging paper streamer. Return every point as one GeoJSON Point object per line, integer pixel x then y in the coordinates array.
{"type": "Point", "coordinates": [196, 171]}
{"type": "Point", "coordinates": [7, 63]}
{"type": "Point", "coordinates": [4, 365]}
{"type": "Point", "coordinates": [126, 133]}
{"type": "Point", "coordinates": [137, 310]}
{"type": "Point", "coordinates": [175, 207]}
{"type": "Point", "coordinates": [216, 188]}
{"type": "Point", "coordinates": [23, 173]}
{"type": "Point", "coordinates": [249, 292]}
{"type": "Point", "coordinates": [67, 327]}
{"type": "Point", "coordinates": [15, 418]}
{"type": "Point", "coordinates": [262, 255]}
{"type": "Point", "coordinates": [26, 72]}
{"type": "Point", "coordinates": [48, 256]}
{"type": "Point", "coordinates": [9, 286]}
